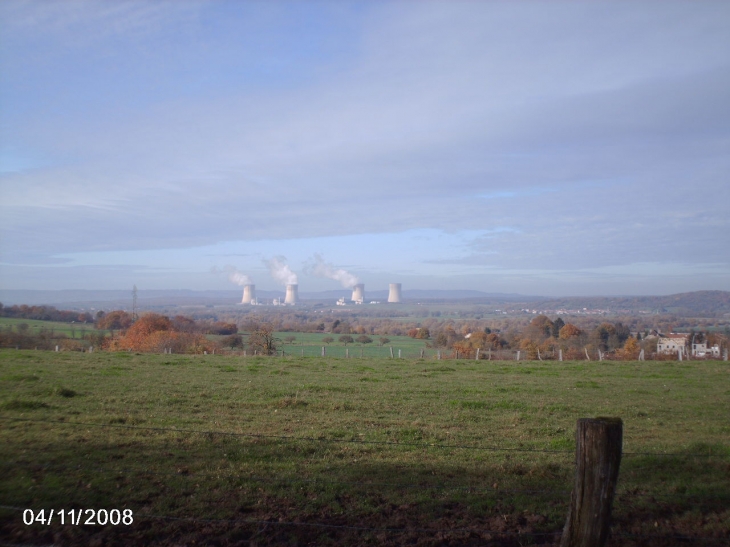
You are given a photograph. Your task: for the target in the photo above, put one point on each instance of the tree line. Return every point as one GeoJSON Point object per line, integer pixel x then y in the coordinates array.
{"type": "Point", "coordinates": [537, 337]}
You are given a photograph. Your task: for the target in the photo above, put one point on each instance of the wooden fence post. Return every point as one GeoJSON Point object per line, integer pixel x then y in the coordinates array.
{"type": "Point", "coordinates": [597, 460]}
{"type": "Point", "coordinates": [476, 358]}
{"type": "Point", "coordinates": [391, 352]}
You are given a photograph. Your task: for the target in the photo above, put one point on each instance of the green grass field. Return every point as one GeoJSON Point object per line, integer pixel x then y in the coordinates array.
{"type": "Point", "coordinates": [72, 330]}
{"type": "Point", "coordinates": [312, 451]}
{"type": "Point", "coordinates": [310, 345]}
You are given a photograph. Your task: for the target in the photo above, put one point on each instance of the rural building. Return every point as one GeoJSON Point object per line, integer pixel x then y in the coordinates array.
{"type": "Point", "coordinates": [701, 350]}
{"type": "Point", "coordinates": [672, 343]}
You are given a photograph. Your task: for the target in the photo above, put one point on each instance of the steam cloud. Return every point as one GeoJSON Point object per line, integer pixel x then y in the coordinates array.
{"type": "Point", "coordinates": [281, 271]}
{"type": "Point", "coordinates": [320, 268]}
{"type": "Point", "coordinates": [239, 278]}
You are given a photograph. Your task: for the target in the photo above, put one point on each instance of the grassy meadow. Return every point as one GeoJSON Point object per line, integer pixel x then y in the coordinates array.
{"type": "Point", "coordinates": [71, 330]}
{"type": "Point", "coordinates": [310, 345]}
{"type": "Point", "coordinates": [226, 450]}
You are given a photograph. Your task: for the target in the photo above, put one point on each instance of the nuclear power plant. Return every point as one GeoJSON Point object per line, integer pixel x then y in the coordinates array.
{"type": "Point", "coordinates": [394, 295]}
{"type": "Point", "coordinates": [292, 294]}
{"type": "Point", "coordinates": [249, 294]}
{"type": "Point", "coordinates": [358, 293]}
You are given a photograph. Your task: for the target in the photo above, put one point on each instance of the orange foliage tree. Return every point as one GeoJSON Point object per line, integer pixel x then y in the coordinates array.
{"type": "Point", "coordinates": [569, 331]}
{"type": "Point", "coordinates": [154, 332]}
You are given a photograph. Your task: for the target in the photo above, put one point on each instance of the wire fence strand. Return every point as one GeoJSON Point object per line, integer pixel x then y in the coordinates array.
{"type": "Point", "coordinates": [288, 438]}
{"type": "Point", "coordinates": [292, 438]}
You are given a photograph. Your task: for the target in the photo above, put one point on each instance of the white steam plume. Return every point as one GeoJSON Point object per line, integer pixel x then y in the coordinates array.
{"type": "Point", "coordinates": [239, 278]}
{"type": "Point", "coordinates": [317, 266]}
{"type": "Point", "coordinates": [281, 271]}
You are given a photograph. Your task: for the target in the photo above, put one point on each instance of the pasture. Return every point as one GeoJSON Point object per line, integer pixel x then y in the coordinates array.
{"type": "Point", "coordinates": [34, 326]}
{"type": "Point", "coordinates": [310, 451]}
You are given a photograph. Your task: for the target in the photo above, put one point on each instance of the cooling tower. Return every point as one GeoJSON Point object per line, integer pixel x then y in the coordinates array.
{"type": "Point", "coordinates": [249, 294]}
{"type": "Point", "coordinates": [394, 293]}
{"type": "Point", "coordinates": [358, 293]}
{"type": "Point", "coordinates": [292, 294]}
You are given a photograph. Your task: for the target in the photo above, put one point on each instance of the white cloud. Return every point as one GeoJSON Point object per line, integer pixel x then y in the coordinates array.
{"type": "Point", "coordinates": [596, 133]}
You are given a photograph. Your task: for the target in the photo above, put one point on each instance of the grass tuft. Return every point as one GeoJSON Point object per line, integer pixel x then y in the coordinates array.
{"type": "Point", "coordinates": [20, 404]}
{"type": "Point", "coordinates": [65, 392]}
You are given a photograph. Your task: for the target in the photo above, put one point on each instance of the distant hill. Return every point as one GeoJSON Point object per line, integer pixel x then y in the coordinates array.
{"type": "Point", "coordinates": [707, 303]}
{"type": "Point", "coordinates": [713, 303]}
{"type": "Point", "coordinates": [183, 297]}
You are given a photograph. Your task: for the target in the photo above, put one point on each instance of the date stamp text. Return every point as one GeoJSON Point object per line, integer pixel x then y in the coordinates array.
{"type": "Point", "coordinates": [79, 517]}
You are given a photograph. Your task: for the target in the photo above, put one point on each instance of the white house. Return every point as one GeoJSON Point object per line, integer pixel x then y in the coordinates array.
{"type": "Point", "coordinates": [701, 350]}
{"type": "Point", "coordinates": [672, 343]}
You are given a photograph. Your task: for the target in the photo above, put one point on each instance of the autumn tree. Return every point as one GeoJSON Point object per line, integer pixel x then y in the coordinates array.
{"type": "Point", "coordinates": [569, 331]}
{"type": "Point", "coordinates": [631, 349]}
{"type": "Point", "coordinates": [114, 320]}
{"type": "Point", "coordinates": [154, 333]}
{"type": "Point", "coordinates": [262, 339]}
{"type": "Point", "coordinates": [346, 339]}
{"type": "Point", "coordinates": [540, 327]}
{"type": "Point", "coordinates": [364, 339]}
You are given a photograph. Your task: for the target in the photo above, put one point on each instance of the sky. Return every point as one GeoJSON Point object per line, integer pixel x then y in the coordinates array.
{"type": "Point", "coordinates": [543, 148]}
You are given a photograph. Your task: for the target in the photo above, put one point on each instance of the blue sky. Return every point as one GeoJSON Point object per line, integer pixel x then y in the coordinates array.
{"type": "Point", "coordinates": [535, 147]}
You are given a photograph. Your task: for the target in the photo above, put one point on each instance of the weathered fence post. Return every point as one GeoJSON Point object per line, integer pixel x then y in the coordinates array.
{"type": "Point", "coordinates": [302, 352]}
{"type": "Point", "coordinates": [560, 355]}
{"type": "Point", "coordinates": [324, 352]}
{"type": "Point", "coordinates": [438, 355]}
{"type": "Point", "coordinates": [391, 352]}
{"type": "Point", "coordinates": [518, 355]}
{"type": "Point", "coordinates": [538, 354]}
{"type": "Point", "coordinates": [679, 354]}
{"type": "Point", "coordinates": [597, 460]}
{"type": "Point", "coordinates": [421, 353]}
{"type": "Point", "coordinates": [641, 355]}
{"type": "Point", "coordinates": [588, 357]}
{"type": "Point", "coordinates": [398, 354]}
{"type": "Point", "coordinates": [347, 353]}
{"type": "Point", "coordinates": [476, 358]}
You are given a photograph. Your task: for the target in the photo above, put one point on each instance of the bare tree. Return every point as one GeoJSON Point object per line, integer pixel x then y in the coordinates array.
{"type": "Point", "coordinates": [262, 339]}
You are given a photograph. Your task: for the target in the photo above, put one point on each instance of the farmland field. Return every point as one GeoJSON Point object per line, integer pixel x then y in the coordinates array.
{"type": "Point", "coordinates": [72, 330]}
{"type": "Point", "coordinates": [316, 451]}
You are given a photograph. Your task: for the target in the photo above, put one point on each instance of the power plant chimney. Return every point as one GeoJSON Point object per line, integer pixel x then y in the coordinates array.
{"type": "Point", "coordinates": [394, 294]}
{"type": "Point", "coordinates": [358, 293]}
{"type": "Point", "coordinates": [292, 294]}
{"type": "Point", "coordinates": [249, 294]}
